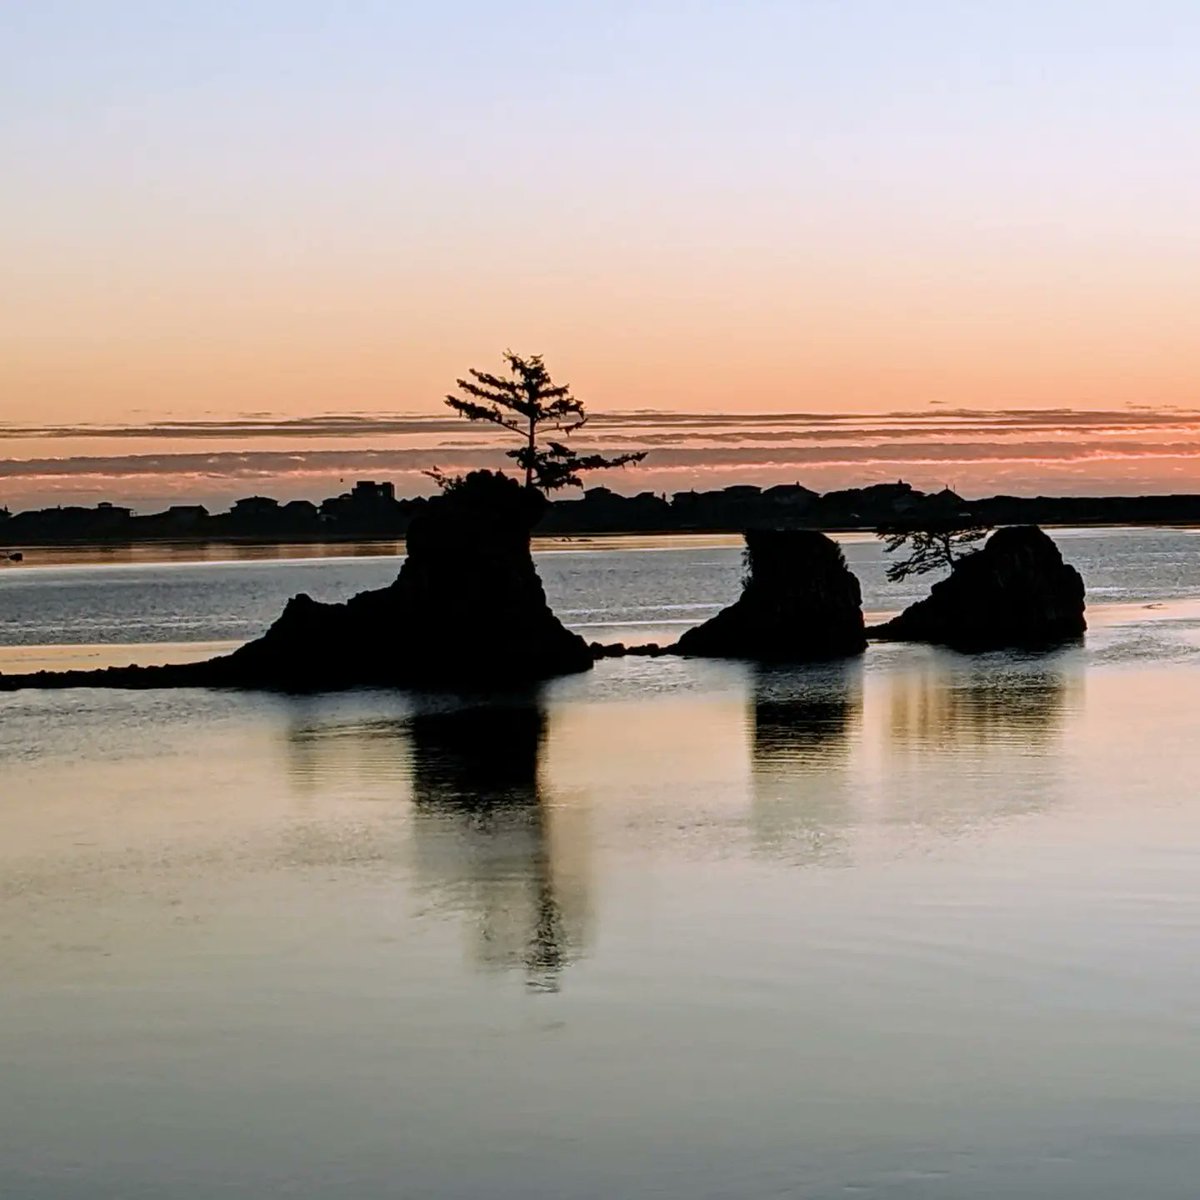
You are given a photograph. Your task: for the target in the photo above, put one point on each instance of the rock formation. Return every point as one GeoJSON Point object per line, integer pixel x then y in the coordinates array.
{"type": "Point", "coordinates": [1014, 592]}
{"type": "Point", "coordinates": [466, 609]}
{"type": "Point", "coordinates": [799, 603]}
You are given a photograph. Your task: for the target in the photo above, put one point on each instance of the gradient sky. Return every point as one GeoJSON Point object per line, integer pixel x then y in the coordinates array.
{"type": "Point", "coordinates": [823, 206]}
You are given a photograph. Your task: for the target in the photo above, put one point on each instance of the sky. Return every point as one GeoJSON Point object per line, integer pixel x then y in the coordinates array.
{"type": "Point", "coordinates": [249, 246]}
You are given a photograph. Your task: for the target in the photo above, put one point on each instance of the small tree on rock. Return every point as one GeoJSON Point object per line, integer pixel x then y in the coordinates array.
{"type": "Point", "coordinates": [931, 545]}
{"type": "Point", "coordinates": [530, 404]}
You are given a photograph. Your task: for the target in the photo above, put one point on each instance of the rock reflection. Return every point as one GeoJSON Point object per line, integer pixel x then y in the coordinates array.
{"type": "Point", "coordinates": [802, 723]}
{"type": "Point", "coordinates": [950, 701]}
{"type": "Point", "coordinates": [971, 741]}
{"type": "Point", "coordinates": [486, 835]}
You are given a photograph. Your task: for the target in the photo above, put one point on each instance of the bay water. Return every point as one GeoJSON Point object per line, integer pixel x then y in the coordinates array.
{"type": "Point", "coordinates": [923, 925]}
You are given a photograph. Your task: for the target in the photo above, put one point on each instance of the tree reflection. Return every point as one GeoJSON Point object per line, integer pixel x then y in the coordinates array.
{"type": "Point", "coordinates": [486, 836]}
{"type": "Point", "coordinates": [485, 840]}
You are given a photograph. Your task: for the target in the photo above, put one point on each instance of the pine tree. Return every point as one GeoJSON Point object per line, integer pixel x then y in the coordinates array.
{"type": "Point", "coordinates": [529, 403]}
{"type": "Point", "coordinates": [931, 546]}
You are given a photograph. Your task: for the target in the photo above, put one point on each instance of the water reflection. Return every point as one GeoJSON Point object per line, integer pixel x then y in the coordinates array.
{"type": "Point", "coordinates": [802, 724]}
{"type": "Point", "coordinates": [488, 837]}
{"type": "Point", "coordinates": [477, 759]}
{"type": "Point", "coordinates": [485, 838]}
{"type": "Point", "coordinates": [968, 741]}
{"type": "Point", "coordinates": [845, 765]}
{"type": "Point", "coordinates": [334, 747]}
{"type": "Point", "coordinates": [947, 701]}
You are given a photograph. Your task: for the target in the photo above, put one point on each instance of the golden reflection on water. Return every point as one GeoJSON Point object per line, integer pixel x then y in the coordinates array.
{"type": "Point", "coordinates": [965, 742]}
{"type": "Point", "coordinates": [831, 913]}
{"type": "Point", "coordinates": [830, 765]}
{"type": "Point", "coordinates": [96, 656]}
{"type": "Point", "coordinates": [802, 729]}
{"type": "Point", "coordinates": [486, 837]}
{"type": "Point", "coordinates": [146, 554]}
{"type": "Point", "coordinates": [827, 878]}
{"type": "Point", "coordinates": [490, 808]}
{"type": "Point", "coordinates": [487, 834]}
{"type": "Point", "coordinates": [842, 758]}
{"type": "Point", "coordinates": [940, 704]}
{"type": "Point", "coordinates": [157, 553]}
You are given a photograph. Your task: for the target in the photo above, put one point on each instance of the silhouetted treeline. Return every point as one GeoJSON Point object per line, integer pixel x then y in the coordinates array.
{"type": "Point", "coordinates": [371, 510]}
{"type": "Point", "coordinates": [368, 510]}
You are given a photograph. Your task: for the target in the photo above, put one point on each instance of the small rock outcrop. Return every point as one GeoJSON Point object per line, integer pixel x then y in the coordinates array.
{"type": "Point", "coordinates": [1015, 592]}
{"type": "Point", "coordinates": [467, 609]}
{"type": "Point", "coordinates": [799, 603]}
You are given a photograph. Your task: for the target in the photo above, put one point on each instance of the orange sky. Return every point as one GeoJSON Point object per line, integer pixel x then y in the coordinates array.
{"type": "Point", "coordinates": [686, 208]}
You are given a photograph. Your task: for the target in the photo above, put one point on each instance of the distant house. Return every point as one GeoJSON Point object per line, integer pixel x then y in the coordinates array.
{"type": "Point", "coordinates": [875, 502]}
{"type": "Point", "coordinates": [942, 504]}
{"type": "Point", "coordinates": [368, 492]}
{"type": "Point", "coordinates": [255, 506]}
{"type": "Point", "coordinates": [300, 512]}
{"type": "Point", "coordinates": [71, 523]}
{"type": "Point", "coordinates": [366, 504]}
{"type": "Point", "coordinates": [789, 495]}
{"type": "Point", "coordinates": [185, 516]}
{"type": "Point", "coordinates": [108, 516]}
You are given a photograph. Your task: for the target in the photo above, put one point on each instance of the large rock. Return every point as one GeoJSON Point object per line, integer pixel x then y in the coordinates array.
{"type": "Point", "coordinates": [1015, 592]}
{"type": "Point", "coordinates": [466, 609]}
{"type": "Point", "coordinates": [799, 603]}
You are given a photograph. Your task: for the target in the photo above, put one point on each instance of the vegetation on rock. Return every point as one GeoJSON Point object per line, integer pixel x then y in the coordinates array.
{"type": "Point", "coordinates": [530, 404]}
{"type": "Point", "coordinates": [932, 545]}
{"type": "Point", "coordinates": [1016, 592]}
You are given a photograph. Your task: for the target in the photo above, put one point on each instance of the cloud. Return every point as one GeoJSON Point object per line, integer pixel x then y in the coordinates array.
{"type": "Point", "coordinates": [1106, 449]}
{"type": "Point", "coordinates": [660, 424]}
{"type": "Point", "coordinates": [272, 464]}
{"type": "Point", "coordinates": [330, 426]}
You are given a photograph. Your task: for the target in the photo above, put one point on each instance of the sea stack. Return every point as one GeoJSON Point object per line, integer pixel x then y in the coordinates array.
{"type": "Point", "coordinates": [1015, 592]}
{"type": "Point", "coordinates": [467, 609]}
{"type": "Point", "coordinates": [799, 603]}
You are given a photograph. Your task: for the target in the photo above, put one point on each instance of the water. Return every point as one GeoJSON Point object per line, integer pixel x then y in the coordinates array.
{"type": "Point", "coordinates": [922, 926]}
{"type": "Point", "coordinates": [606, 589]}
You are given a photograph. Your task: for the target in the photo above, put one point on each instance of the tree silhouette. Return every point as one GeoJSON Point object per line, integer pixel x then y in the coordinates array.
{"type": "Point", "coordinates": [931, 545]}
{"type": "Point", "coordinates": [529, 403]}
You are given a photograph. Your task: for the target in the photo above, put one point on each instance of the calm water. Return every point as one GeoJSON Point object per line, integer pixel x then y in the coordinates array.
{"type": "Point", "coordinates": [923, 927]}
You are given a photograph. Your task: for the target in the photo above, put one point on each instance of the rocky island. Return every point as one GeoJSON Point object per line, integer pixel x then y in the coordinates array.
{"type": "Point", "coordinates": [1016, 592]}
{"type": "Point", "coordinates": [467, 609]}
{"type": "Point", "coordinates": [799, 603]}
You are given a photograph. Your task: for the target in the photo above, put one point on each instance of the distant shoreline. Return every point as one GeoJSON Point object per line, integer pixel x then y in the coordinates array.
{"type": "Point", "coordinates": [181, 551]}
{"type": "Point", "coordinates": [371, 514]}
{"type": "Point", "coordinates": [546, 539]}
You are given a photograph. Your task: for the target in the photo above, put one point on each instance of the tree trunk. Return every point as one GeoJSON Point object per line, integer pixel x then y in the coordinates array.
{"type": "Point", "coordinates": [529, 460]}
